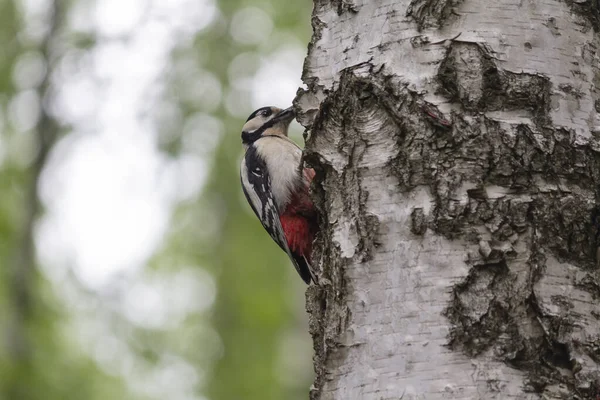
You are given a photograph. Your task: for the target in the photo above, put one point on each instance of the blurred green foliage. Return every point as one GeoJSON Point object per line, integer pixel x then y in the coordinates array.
{"type": "Point", "coordinates": [253, 342]}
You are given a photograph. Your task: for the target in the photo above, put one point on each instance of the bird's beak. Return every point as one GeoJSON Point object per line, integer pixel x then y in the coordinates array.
{"type": "Point", "coordinates": [286, 115]}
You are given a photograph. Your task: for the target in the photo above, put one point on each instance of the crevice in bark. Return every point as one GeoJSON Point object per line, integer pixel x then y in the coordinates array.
{"type": "Point", "coordinates": [431, 13]}
{"type": "Point", "coordinates": [418, 221]}
{"type": "Point", "coordinates": [343, 6]}
{"type": "Point", "coordinates": [479, 312]}
{"type": "Point", "coordinates": [588, 10]}
{"type": "Point", "coordinates": [469, 75]}
{"type": "Point", "coordinates": [565, 226]}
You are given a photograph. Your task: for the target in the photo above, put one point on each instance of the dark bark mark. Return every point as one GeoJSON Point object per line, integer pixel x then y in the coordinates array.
{"type": "Point", "coordinates": [482, 313]}
{"type": "Point", "coordinates": [436, 117]}
{"type": "Point", "coordinates": [588, 10]}
{"type": "Point", "coordinates": [343, 6]}
{"type": "Point", "coordinates": [470, 76]}
{"type": "Point", "coordinates": [565, 224]}
{"type": "Point", "coordinates": [418, 222]}
{"type": "Point", "coordinates": [552, 26]}
{"type": "Point", "coordinates": [431, 13]}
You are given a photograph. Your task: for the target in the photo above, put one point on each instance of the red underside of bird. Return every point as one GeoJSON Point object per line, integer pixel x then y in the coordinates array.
{"type": "Point", "coordinates": [299, 220]}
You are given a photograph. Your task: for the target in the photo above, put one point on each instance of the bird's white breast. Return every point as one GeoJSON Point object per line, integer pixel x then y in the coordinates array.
{"type": "Point", "coordinates": [282, 157]}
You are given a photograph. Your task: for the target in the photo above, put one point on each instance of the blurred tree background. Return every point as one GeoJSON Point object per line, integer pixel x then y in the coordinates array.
{"type": "Point", "coordinates": [130, 265]}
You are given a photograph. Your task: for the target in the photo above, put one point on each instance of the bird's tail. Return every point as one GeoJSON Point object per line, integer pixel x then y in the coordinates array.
{"type": "Point", "coordinates": [305, 269]}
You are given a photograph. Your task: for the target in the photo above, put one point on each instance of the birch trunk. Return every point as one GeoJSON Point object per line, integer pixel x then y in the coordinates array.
{"type": "Point", "coordinates": [457, 145]}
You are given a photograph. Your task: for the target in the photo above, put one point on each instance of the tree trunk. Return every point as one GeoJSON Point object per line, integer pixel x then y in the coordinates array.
{"type": "Point", "coordinates": [458, 154]}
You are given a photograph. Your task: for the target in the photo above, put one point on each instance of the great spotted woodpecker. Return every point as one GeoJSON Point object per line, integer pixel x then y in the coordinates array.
{"type": "Point", "coordinates": [276, 186]}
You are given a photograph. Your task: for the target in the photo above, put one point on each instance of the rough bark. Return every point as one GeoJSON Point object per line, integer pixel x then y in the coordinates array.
{"type": "Point", "coordinates": [457, 145]}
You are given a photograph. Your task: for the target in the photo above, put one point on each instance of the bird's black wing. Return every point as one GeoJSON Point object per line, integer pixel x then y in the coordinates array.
{"type": "Point", "coordinates": [256, 184]}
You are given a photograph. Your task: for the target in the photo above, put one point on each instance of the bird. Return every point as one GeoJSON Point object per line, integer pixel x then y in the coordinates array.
{"type": "Point", "coordinates": [276, 185]}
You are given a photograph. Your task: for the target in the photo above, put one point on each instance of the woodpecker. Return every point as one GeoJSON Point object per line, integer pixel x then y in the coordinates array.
{"type": "Point", "coordinates": [276, 185]}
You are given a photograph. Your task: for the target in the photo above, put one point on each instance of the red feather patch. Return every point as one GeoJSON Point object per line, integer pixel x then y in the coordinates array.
{"type": "Point", "coordinates": [298, 233]}
{"type": "Point", "coordinates": [299, 220]}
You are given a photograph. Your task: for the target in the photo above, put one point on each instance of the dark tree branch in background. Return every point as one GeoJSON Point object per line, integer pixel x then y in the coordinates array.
{"type": "Point", "coordinates": [23, 267]}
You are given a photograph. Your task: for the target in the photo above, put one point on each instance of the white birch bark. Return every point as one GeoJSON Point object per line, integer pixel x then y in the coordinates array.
{"type": "Point", "coordinates": [457, 145]}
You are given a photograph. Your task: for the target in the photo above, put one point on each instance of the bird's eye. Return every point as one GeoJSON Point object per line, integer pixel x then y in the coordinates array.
{"type": "Point", "coordinates": [265, 113]}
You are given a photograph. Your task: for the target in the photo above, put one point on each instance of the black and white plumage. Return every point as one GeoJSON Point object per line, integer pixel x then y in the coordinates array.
{"type": "Point", "coordinates": [256, 184]}
{"type": "Point", "coordinates": [274, 186]}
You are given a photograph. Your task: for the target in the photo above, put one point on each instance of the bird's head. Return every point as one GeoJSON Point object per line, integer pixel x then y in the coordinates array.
{"type": "Point", "coordinates": [267, 121]}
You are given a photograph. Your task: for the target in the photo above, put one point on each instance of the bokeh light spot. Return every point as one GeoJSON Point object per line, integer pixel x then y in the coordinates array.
{"type": "Point", "coordinates": [251, 25]}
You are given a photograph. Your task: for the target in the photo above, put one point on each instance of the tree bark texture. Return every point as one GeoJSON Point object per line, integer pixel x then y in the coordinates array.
{"type": "Point", "coordinates": [457, 145]}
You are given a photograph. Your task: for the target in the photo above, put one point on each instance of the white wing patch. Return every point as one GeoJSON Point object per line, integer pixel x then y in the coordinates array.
{"type": "Point", "coordinates": [257, 188]}
{"type": "Point", "coordinates": [249, 191]}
